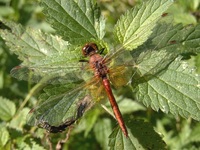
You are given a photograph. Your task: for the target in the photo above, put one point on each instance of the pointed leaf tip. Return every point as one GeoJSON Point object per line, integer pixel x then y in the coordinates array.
{"type": "Point", "coordinates": [76, 25]}
{"type": "Point", "coordinates": [135, 26]}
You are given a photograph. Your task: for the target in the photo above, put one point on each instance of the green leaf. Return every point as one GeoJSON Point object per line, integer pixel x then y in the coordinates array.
{"type": "Point", "coordinates": [90, 120]}
{"type": "Point", "coordinates": [33, 45]}
{"type": "Point", "coordinates": [20, 120]}
{"type": "Point", "coordinates": [36, 146]}
{"type": "Point", "coordinates": [195, 134]}
{"type": "Point", "coordinates": [176, 90]}
{"type": "Point", "coordinates": [1, 79]}
{"type": "Point", "coordinates": [28, 143]}
{"type": "Point", "coordinates": [133, 28]}
{"type": "Point", "coordinates": [181, 15]}
{"type": "Point", "coordinates": [163, 46]}
{"type": "Point", "coordinates": [119, 141]}
{"type": "Point", "coordinates": [4, 136]}
{"type": "Point", "coordinates": [43, 55]}
{"type": "Point", "coordinates": [150, 63]}
{"type": "Point", "coordinates": [197, 62]}
{"type": "Point", "coordinates": [6, 11]}
{"type": "Point", "coordinates": [185, 138]}
{"type": "Point", "coordinates": [102, 131]}
{"type": "Point", "coordinates": [76, 21]}
{"type": "Point", "coordinates": [141, 137]}
{"type": "Point", "coordinates": [127, 105]}
{"type": "Point", "coordinates": [79, 142]}
{"type": "Point", "coordinates": [7, 109]}
{"type": "Point", "coordinates": [176, 39]}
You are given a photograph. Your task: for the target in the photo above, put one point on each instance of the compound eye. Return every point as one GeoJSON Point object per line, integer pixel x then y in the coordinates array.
{"type": "Point", "coordinates": [88, 48]}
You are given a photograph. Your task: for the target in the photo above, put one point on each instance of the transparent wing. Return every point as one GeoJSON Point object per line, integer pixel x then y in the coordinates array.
{"type": "Point", "coordinates": [146, 60]}
{"type": "Point", "coordinates": [64, 109]}
{"type": "Point", "coordinates": [82, 106]}
{"type": "Point", "coordinates": [57, 111]}
{"type": "Point", "coordinates": [121, 69]}
{"type": "Point", "coordinates": [53, 74]}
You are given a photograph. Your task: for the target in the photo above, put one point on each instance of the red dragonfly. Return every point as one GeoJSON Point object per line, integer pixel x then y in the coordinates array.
{"type": "Point", "coordinates": [98, 65]}
{"type": "Point", "coordinates": [59, 111]}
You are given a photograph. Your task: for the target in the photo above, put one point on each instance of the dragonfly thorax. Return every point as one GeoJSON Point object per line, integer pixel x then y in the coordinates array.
{"type": "Point", "coordinates": [97, 64]}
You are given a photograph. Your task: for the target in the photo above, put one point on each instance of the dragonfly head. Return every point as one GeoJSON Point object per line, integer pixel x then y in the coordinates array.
{"type": "Point", "coordinates": [89, 49]}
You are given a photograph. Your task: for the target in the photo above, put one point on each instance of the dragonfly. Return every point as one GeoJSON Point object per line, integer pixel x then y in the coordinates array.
{"type": "Point", "coordinates": [98, 65]}
{"type": "Point", "coordinates": [58, 112]}
{"type": "Point", "coordinates": [89, 81]}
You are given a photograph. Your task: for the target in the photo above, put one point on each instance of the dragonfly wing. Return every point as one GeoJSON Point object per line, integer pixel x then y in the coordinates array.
{"type": "Point", "coordinates": [120, 68]}
{"type": "Point", "coordinates": [61, 110]}
{"type": "Point", "coordinates": [24, 73]}
{"type": "Point", "coordinates": [53, 75]}
{"type": "Point", "coordinates": [146, 60]}
{"type": "Point", "coordinates": [82, 106]}
{"type": "Point", "coordinates": [61, 65]}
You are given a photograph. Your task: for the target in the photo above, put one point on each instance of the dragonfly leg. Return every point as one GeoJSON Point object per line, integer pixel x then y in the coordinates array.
{"type": "Point", "coordinates": [101, 51]}
{"type": "Point", "coordinates": [83, 60]}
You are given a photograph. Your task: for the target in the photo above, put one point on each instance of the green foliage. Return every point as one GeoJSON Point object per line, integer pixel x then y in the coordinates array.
{"type": "Point", "coordinates": [42, 54]}
{"type": "Point", "coordinates": [177, 82]}
{"type": "Point", "coordinates": [79, 24]}
{"type": "Point", "coordinates": [7, 109]}
{"type": "Point", "coordinates": [159, 53]}
{"type": "Point", "coordinates": [136, 141]}
{"type": "Point", "coordinates": [4, 136]}
{"type": "Point", "coordinates": [133, 28]}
